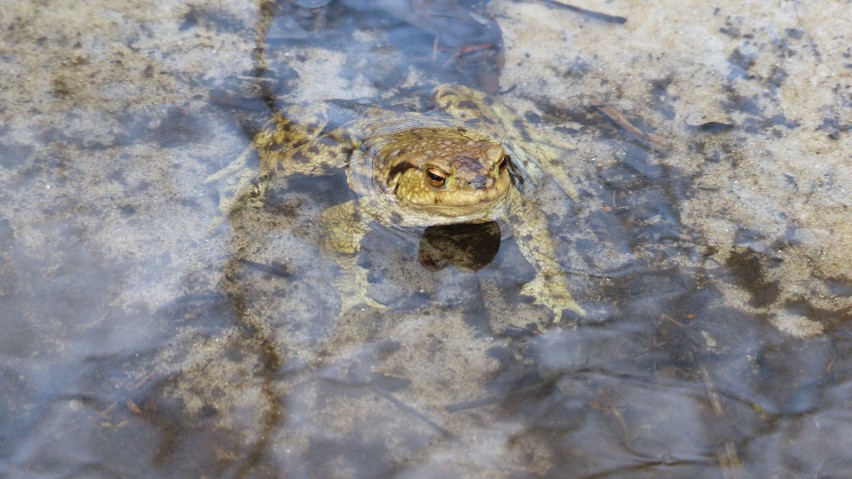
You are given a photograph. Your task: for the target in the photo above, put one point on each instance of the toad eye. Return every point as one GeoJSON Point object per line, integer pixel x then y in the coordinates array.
{"type": "Point", "coordinates": [504, 163]}
{"type": "Point", "coordinates": [436, 177]}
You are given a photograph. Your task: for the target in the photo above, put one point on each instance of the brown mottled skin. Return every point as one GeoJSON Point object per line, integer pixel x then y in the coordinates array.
{"type": "Point", "coordinates": [414, 170]}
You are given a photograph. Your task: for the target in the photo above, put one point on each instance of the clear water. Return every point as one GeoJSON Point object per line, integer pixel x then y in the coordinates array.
{"type": "Point", "coordinates": [137, 344]}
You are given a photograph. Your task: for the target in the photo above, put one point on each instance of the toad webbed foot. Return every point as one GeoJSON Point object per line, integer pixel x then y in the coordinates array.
{"type": "Point", "coordinates": [551, 291]}
{"type": "Point", "coordinates": [353, 285]}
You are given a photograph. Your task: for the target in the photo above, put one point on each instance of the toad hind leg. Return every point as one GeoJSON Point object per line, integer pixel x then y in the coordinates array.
{"type": "Point", "coordinates": [294, 142]}
{"type": "Point", "coordinates": [302, 140]}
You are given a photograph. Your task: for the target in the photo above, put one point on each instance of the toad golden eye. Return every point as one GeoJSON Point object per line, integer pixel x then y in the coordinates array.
{"type": "Point", "coordinates": [504, 163]}
{"type": "Point", "coordinates": [436, 177]}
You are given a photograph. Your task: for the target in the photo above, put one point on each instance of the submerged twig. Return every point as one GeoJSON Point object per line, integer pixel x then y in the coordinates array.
{"type": "Point", "coordinates": [727, 455]}
{"type": "Point", "coordinates": [604, 17]}
{"type": "Point", "coordinates": [654, 141]}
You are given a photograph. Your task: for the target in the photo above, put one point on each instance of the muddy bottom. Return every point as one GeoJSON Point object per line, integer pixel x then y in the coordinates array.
{"type": "Point", "coordinates": [708, 245]}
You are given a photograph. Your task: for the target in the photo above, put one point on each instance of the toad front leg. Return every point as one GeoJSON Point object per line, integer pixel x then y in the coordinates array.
{"type": "Point", "coordinates": [549, 287]}
{"type": "Point", "coordinates": [342, 228]}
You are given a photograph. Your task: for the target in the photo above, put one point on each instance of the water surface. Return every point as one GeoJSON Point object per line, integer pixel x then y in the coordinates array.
{"type": "Point", "coordinates": [138, 343]}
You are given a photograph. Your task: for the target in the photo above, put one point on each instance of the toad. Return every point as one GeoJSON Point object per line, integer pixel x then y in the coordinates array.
{"type": "Point", "coordinates": [472, 160]}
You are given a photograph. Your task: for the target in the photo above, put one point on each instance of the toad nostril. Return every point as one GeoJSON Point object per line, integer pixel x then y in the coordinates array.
{"type": "Point", "coordinates": [481, 182]}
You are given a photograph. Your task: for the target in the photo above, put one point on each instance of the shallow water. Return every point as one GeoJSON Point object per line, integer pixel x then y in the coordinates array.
{"type": "Point", "coordinates": [137, 343]}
